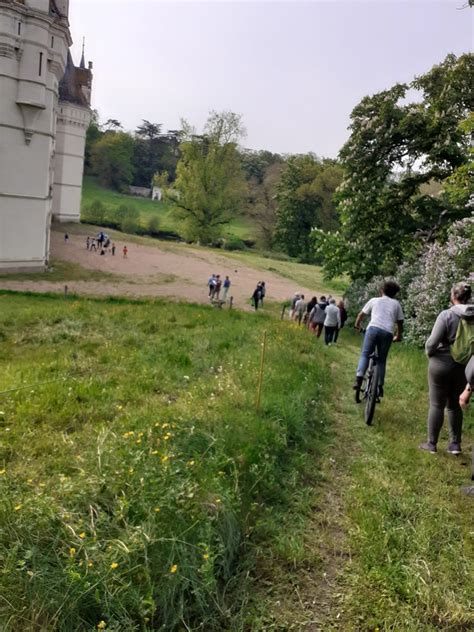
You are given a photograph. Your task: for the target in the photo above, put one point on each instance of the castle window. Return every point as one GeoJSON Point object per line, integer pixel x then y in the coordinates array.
{"type": "Point", "coordinates": [52, 42]}
{"type": "Point", "coordinates": [19, 28]}
{"type": "Point", "coordinates": [40, 68]}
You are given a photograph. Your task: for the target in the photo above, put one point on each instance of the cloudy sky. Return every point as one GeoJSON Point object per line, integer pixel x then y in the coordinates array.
{"type": "Point", "coordinates": [294, 70]}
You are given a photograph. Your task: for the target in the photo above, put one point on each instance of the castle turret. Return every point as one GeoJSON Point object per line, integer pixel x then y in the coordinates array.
{"type": "Point", "coordinates": [34, 40]}
{"type": "Point", "coordinates": [73, 119]}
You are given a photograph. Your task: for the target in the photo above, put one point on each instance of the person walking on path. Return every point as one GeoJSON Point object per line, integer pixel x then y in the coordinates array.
{"type": "Point", "coordinates": [66, 238]}
{"type": "Point", "coordinates": [318, 316]}
{"type": "Point", "coordinates": [93, 246]}
{"type": "Point", "coordinates": [211, 284]}
{"type": "Point", "coordinates": [309, 308]}
{"type": "Point", "coordinates": [446, 376]}
{"type": "Point", "coordinates": [293, 301]}
{"type": "Point", "coordinates": [88, 243]}
{"type": "Point", "coordinates": [217, 288]}
{"type": "Point", "coordinates": [300, 308]}
{"type": "Point", "coordinates": [343, 312]}
{"type": "Point", "coordinates": [332, 322]}
{"type": "Point", "coordinates": [256, 296]}
{"type": "Point", "coordinates": [465, 396]}
{"type": "Point", "coordinates": [113, 250]}
{"type": "Point", "coordinates": [226, 285]}
{"type": "Point", "coordinates": [125, 252]}
{"type": "Point", "coordinates": [263, 290]}
{"type": "Point", "coordinates": [385, 312]}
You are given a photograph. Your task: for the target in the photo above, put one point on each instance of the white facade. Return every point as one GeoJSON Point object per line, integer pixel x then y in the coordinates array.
{"type": "Point", "coordinates": [72, 124]}
{"type": "Point", "coordinates": [34, 42]}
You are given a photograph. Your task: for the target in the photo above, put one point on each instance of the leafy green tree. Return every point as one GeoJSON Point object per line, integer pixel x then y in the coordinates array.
{"type": "Point", "coordinates": [112, 159]}
{"type": "Point", "coordinates": [154, 151]}
{"type": "Point", "coordinates": [94, 213]}
{"type": "Point", "coordinates": [93, 134]}
{"type": "Point", "coordinates": [210, 185]}
{"type": "Point", "coordinates": [395, 151]}
{"type": "Point", "coordinates": [305, 201]}
{"type": "Point", "coordinates": [262, 206]}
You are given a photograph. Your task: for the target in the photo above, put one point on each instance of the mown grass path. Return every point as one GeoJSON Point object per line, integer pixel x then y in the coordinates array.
{"type": "Point", "coordinates": [388, 541]}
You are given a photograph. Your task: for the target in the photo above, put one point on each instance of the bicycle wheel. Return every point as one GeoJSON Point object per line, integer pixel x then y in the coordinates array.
{"type": "Point", "coordinates": [371, 396]}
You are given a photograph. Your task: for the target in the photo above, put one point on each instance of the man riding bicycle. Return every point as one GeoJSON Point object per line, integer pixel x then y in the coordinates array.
{"type": "Point", "coordinates": [385, 313]}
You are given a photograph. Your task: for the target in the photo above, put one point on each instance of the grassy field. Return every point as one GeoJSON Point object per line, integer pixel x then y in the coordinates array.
{"type": "Point", "coordinates": [135, 471]}
{"type": "Point", "coordinates": [240, 227]}
{"type": "Point", "coordinates": [142, 490]}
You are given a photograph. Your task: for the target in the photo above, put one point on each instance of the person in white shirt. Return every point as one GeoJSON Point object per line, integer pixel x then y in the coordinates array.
{"type": "Point", "coordinates": [332, 322]}
{"type": "Point", "coordinates": [385, 313]}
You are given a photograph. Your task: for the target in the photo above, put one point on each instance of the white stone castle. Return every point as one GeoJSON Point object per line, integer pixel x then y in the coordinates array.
{"type": "Point", "coordinates": [44, 115]}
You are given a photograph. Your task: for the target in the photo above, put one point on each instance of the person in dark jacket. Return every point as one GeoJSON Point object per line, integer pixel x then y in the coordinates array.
{"type": "Point", "coordinates": [446, 378]}
{"type": "Point", "coordinates": [343, 313]}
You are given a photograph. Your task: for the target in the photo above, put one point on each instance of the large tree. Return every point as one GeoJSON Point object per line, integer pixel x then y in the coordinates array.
{"type": "Point", "coordinates": [154, 151]}
{"type": "Point", "coordinates": [112, 160]}
{"type": "Point", "coordinates": [398, 154]}
{"type": "Point", "coordinates": [262, 202]}
{"type": "Point", "coordinates": [210, 185]}
{"type": "Point", "coordinates": [305, 201]}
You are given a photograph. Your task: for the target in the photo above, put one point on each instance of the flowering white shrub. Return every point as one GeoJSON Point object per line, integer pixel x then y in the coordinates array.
{"type": "Point", "coordinates": [440, 267]}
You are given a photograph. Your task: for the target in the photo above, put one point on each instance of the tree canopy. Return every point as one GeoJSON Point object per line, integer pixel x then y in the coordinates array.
{"type": "Point", "coordinates": [305, 201]}
{"type": "Point", "coordinates": [395, 151]}
{"type": "Point", "coordinates": [210, 185]}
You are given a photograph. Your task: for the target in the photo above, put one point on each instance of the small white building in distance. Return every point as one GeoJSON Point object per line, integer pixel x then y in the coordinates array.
{"type": "Point", "coordinates": [44, 115]}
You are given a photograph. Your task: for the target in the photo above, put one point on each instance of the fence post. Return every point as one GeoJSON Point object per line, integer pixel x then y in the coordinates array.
{"type": "Point", "coordinates": [283, 312]}
{"type": "Point", "coordinates": [65, 290]}
{"type": "Point", "coordinates": [260, 377]}
{"type": "Point", "coordinates": [231, 301]}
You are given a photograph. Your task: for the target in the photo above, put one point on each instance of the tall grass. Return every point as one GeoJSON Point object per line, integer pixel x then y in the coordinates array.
{"type": "Point", "coordinates": [135, 470]}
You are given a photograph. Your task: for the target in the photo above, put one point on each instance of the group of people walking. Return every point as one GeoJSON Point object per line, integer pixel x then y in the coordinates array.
{"type": "Point", "coordinates": [319, 315]}
{"type": "Point", "coordinates": [215, 285]}
{"type": "Point", "coordinates": [449, 348]}
{"type": "Point", "coordinates": [258, 295]}
{"type": "Point", "coordinates": [102, 244]}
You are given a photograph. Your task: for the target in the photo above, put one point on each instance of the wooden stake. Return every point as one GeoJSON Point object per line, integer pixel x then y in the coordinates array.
{"type": "Point", "coordinates": [260, 377]}
{"type": "Point", "coordinates": [283, 312]}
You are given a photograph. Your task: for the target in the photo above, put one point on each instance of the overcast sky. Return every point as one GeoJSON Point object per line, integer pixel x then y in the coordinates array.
{"type": "Point", "coordinates": [294, 70]}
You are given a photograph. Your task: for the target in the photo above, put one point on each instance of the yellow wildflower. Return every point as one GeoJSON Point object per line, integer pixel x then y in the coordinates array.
{"type": "Point", "coordinates": [101, 625]}
{"type": "Point", "coordinates": [174, 568]}
{"type": "Point", "coordinates": [2, 472]}
{"type": "Point", "coordinates": [190, 463]}
{"type": "Point", "coordinates": [114, 565]}
{"type": "Point", "coordinates": [205, 556]}
{"type": "Point", "coordinates": [154, 451]}
{"type": "Point", "coordinates": [17, 507]}
{"type": "Point", "coordinates": [119, 407]}
{"type": "Point", "coordinates": [165, 426]}
{"type": "Point", "coordinates": [167, 436]}
{"type": "Point", "coordinates": [157, 509]}
{"type": "Point", "coordinates": [82, 535]}
{"type": "Point", "coordinates": [164, 458]}
{"type": "Point", "coordinates": [90, 564]}
{"type": "Point", "coordinates": [72, 551]}
{"type": "Point", "coordinates": [130, 470]}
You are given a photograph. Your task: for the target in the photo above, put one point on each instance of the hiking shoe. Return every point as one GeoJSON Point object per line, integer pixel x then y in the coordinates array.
{"type": "Point", "coordinates": [454, 448]}
{"type": "Point", "coordinates": [358, 383]}
{"type": "Point", "coordinates": [429, 447]}
{"type": "Point", "coordinates": [380, 392]}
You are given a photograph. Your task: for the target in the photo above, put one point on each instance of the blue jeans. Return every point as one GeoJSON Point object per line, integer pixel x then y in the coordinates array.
{"type": "Point", "coordinates": [375, 338]}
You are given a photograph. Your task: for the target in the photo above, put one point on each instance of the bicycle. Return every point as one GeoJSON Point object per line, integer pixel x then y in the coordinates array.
{"type": "Point", "coordinates": [369, 388]}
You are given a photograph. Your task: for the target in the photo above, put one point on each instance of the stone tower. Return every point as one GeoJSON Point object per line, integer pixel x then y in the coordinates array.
{"type": "Point", "coordinates": [34, 48]}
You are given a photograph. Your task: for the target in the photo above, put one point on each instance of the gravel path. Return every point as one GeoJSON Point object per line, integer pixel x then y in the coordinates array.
{"type": "Point", "coordinates": [177, 272]}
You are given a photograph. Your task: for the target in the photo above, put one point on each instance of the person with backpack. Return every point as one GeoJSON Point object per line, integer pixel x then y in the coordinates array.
{"type": "Point", "coordinates": [449, 349]}
{"type": "Point", "coordinates": [318, 316]}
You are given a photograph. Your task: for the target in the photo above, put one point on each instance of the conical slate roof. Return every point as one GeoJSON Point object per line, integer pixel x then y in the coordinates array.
{"type": "Point", "coordinates": [72, 84]}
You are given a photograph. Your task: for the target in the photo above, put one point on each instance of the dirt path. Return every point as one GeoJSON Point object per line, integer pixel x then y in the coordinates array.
{"type": "Point", "coordinates": [175, 271]}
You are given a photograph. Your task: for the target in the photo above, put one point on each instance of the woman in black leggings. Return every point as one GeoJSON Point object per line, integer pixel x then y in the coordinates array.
{"type": "Point", "coordinates": [445, 376]}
